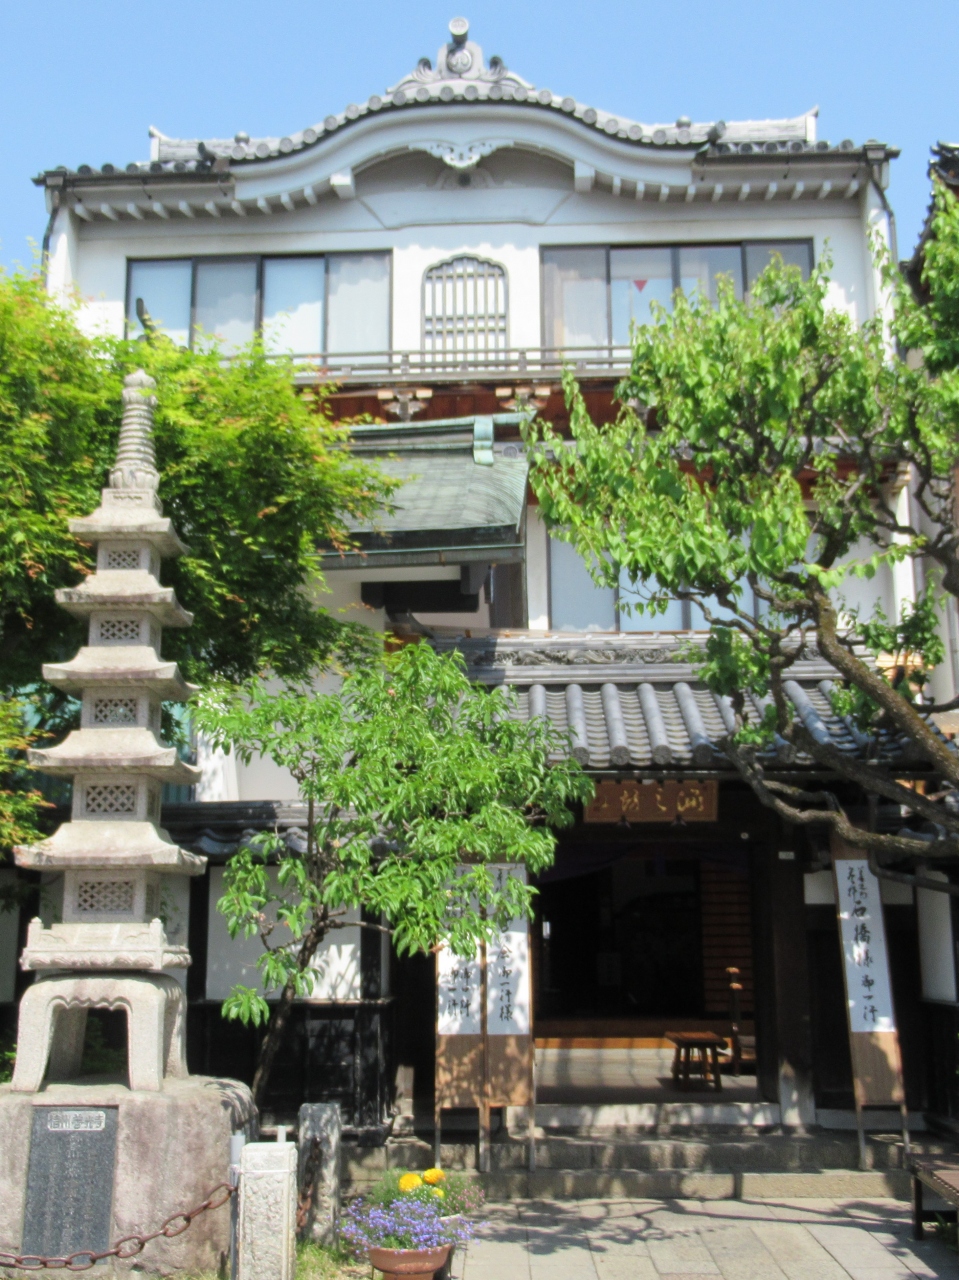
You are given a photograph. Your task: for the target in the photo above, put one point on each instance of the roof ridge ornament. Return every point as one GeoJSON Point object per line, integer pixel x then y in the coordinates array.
{"type": "Point", "coordinates": [460, 60]}
{"type": "Point", "coordinates": [135, 467]}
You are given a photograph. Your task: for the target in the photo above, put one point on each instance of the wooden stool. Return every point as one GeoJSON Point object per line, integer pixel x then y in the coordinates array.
{"type": "Point", "coordinates": [707, 1045]}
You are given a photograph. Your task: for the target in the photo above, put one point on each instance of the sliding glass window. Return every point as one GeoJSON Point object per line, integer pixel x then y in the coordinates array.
{"type": "Point", "coordinates": [304, 306]}
{"type": "Point", "coordinates": [593, 293]}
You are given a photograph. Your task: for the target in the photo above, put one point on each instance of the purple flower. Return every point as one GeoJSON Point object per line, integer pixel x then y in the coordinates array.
{"type": "Point", "coordinates": [407, 1223]}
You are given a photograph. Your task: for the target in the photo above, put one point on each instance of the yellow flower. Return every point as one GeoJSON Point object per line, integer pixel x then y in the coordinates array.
{"type": "Point", "coordinates": [410, 1181]}
{"type": "Point", "coordinates": [433, 1176]}
{"type": "Point", "coordinates": [439, 1193]}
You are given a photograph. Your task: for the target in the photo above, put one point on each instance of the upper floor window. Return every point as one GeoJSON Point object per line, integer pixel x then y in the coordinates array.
{"type": "Point", "coordinates": [335, 303]}
{"type": "Point", "coordinates": [465, 307]}
{"type": "Point", "coordinates": [591, 294]}
{"type": "Point", "coordinates": [577, 603]}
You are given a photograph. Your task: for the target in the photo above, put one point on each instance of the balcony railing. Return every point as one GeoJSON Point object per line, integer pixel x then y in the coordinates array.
{"type": "Point", "coordinates": [523, 364]}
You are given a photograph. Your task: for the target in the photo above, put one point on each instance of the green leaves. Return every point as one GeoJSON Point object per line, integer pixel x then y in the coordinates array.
{"type": "Point", "coordinates": [756, 468]}
{"type": "Point", "coordinates": [414, 774]}
{"type": "Point", "coordinates": [254, 476]}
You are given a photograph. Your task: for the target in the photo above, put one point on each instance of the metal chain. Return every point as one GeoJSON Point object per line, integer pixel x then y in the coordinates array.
{"type": "Point", "coordinates": [128, 1247]}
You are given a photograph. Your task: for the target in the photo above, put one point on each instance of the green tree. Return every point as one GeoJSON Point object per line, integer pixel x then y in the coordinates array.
{"type": "Point", "coordinates": [760, 448]}
{"type": "Point", "coordinates": [253, 475]}
{"type": "Point", "coordinates": [415, 781]}
{"type": "Point", "coordinates": [20, 803]}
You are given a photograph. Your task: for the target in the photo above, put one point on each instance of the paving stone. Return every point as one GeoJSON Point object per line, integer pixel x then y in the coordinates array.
{"type": "Point", "coordinates": [739, 1253]}
{"type": "Point", "coordinates": [687, 1240]}
{"type": "Point", "coordinates": [863, 1257]}
{"type": "Point", "coordinates": [682, 1255]}
{"type": "Point", "coordinates": [754, 1210]}
{"type": "Point", "coordinates": [797, 1253]}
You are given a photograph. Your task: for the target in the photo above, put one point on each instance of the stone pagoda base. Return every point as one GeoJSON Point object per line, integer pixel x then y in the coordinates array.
{"type": "Point", "coordinates": [86, 1164]}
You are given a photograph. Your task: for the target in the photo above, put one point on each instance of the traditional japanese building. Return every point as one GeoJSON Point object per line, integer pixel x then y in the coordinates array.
{"type": "Point", "coordinates": [442, 250]}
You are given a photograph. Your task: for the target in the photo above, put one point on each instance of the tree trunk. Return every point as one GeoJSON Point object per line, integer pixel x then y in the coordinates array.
{"type": "Point", "coordinates": [280, 1016]}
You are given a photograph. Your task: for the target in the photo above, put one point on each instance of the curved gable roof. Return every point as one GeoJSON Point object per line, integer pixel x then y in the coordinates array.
{"type": "Point", "coordinates": [469, 88]}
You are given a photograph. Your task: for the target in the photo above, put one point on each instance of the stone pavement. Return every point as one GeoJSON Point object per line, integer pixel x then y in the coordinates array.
{"type": "Point", "coordinates": [683, 1239]}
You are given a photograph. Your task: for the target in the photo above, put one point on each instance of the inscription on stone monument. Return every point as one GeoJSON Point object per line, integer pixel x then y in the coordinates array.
{"type": "Point", "coordinates": [70, 1180]}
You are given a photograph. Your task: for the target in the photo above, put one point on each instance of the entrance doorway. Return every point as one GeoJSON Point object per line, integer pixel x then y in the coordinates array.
{"type": "Point", "coordinates": [635, 944]}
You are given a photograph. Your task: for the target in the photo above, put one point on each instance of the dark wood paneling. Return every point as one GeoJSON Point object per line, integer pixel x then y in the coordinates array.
{"type": "Point", "coordinates": [726, 919]}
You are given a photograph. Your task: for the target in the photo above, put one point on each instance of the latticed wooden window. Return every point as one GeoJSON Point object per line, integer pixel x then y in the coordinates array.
{"type": "Point", "coordinates": [465, 307]}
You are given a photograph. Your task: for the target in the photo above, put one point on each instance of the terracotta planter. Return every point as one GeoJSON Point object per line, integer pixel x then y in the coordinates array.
{"type": "Point", "coordinates": [410, 1264]}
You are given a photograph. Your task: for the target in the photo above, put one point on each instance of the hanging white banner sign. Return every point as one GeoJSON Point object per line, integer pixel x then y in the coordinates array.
{"type": "Point", "coordinates": [459, 980]}
{"type": "Point", "coordinates": [507, 972]}
{"type": "Point", "coordinates": [458, 996]}
{"type": "Point", "coordinates": [864, 947]}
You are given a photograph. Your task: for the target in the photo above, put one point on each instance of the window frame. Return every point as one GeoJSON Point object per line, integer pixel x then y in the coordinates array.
{"type": "Point", "coordinates": [449, 261]}
{"type": "Point", "coordinates": [685, 605]}
{"type": "Point", "coordinates": [674, 246]}
{"type": "Point", "coordinates": [259, 259]}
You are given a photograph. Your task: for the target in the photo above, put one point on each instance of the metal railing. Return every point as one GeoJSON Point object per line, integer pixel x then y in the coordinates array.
{"type": "Point", "coordinates": [522, 364]}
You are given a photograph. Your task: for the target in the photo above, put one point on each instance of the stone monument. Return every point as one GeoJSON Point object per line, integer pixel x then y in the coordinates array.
{"type": "Point", "coordinates": [87, 1161]}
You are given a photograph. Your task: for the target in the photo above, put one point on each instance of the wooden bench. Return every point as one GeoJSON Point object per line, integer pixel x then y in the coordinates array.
{"type": "Point", "coordinates": [707, 1045]}
{"type": "Point", "coordinates": [943, 1179]}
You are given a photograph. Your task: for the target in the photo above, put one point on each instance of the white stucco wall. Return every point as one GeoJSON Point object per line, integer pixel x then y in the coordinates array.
{"type": "Point", "coordinates": [530, 204]}
{"type": "Point", "coordinates": [937, 948]}
{"type": "Point", "coordinates": [336, 966]}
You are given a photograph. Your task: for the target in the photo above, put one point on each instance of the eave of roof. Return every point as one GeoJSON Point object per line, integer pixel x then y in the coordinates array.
{"type": "Point", "coordinates": [465, 84]}
{"type": "Point", "coordinates": [462, 496]}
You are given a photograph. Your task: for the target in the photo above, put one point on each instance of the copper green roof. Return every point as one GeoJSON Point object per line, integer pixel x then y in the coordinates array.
{"type": "Point", "coordinates": [462, 496]}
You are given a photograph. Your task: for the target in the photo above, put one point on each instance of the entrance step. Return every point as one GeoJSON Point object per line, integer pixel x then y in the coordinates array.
{"type": "Point", "coordinates": [704, 1166]}
{"type": "Point", "coordinates": [666, 1184]}
{"type": "Point", "coordinates": [658, 1117]}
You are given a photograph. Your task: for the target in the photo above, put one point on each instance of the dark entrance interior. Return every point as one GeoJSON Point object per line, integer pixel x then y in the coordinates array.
{"type": "Point", "coordinates": [643, 935]}
{"type": "Point", "coordinates": [623, 942]}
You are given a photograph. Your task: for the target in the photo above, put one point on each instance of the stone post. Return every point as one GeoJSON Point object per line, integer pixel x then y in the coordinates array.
{"type": "Point", "coordinates": [266, 1244]}
{"type": "Point", "coordinates": [318, 1212]}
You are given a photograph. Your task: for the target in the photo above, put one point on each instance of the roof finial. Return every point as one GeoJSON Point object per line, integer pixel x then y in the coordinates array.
{"type": "Point", "coordinates": [135, 467]}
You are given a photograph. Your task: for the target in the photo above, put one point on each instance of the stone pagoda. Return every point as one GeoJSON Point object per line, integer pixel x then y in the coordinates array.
{"type": "Point", "coordinates": [87, 1159]}
{"type": "Point", "coordinates": [111, 949]}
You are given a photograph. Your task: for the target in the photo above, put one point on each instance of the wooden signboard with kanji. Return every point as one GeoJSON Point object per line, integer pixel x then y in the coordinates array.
{"type": "Point", "coordinates": [692, 801]}
{"type": "Point", "coordinates": [873, 1039]}
{"type": "Point", "coordinates": [484, 1033]}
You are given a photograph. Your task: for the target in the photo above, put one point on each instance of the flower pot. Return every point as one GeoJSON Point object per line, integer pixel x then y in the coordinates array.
{"type": "Point", "coordinates": [411, 1264]}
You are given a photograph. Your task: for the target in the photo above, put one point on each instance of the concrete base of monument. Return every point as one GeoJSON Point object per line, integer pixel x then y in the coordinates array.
{"type": "Point", "coordinates": [86, 1163]}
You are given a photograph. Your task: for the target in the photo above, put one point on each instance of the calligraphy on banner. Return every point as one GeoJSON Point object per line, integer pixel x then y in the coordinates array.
{"type": "Point", "coordinates": [459, 981]}
{"type": "Point", "coordinates": [864, 948]}
{"type": "Point", "coordinates": [507, 972]}
{"type": "Point", "coordinates": [459, 984]}
{"type": "Point", "coordinates": [692, 801]}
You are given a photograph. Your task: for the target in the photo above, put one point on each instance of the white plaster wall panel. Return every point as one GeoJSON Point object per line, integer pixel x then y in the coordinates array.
{"type": "Point", "coordinates": [937, 949]}
{"type": "Point", "coordinates": [491, 205]}
{"type": "Point", "coordinates": [865, 593]}
{"type": "Point", "coordinates": [340, 595]}
{"type": "Point", "coordinates": [537, 570]}
{"type": "Point", "coordinates": [218, 777]}
{"type": "Point", "coordinates": [9, 943]}
{"type": "Point", "coordinates": [336, 965]}
{"type": "Point", "coordinates": [62, 260]}
{"type": "Point", "coordinates": [516, 251]}
{"type": "Point", "coordinates": [819, 889]}
{"type": "Point", "coordinates": [261, 779]}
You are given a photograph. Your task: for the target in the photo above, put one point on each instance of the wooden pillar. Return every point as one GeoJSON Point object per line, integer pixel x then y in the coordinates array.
{"type": "Point", "coordinates": [791, 988]}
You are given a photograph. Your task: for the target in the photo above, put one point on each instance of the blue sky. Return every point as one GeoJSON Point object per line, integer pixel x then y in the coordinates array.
{"type": "Point", "coordinates": [80, 83]}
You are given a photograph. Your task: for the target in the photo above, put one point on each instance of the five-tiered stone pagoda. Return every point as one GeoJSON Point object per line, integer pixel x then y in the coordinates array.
{"type": "Point", "coordinates": [111, 949]}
